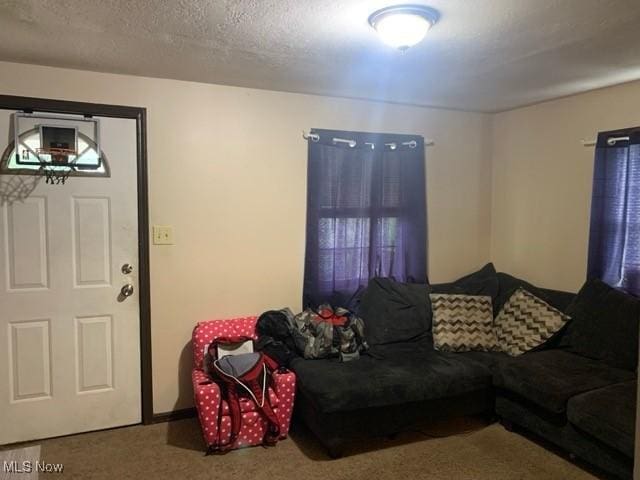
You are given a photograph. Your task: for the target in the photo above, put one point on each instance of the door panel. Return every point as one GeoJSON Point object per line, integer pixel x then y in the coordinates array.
{"type": "Point", "coordinates": [72, 341]}
{"type": "Point", "coordinates": [26, 244]}
{"type": "Point", "coordinates": [94, 347]}
{"type": "Point", "coordinates": [30, 360]}
{"type": "Point", "coordinates": [91, 236]}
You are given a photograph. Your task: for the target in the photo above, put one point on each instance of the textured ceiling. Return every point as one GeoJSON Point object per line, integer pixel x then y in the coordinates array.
{"type": "Point", "coordinates": [483, 55]}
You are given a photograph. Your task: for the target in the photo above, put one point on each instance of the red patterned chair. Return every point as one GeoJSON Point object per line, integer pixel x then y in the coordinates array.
{"type": "Point", "coordinates": [207, 395]}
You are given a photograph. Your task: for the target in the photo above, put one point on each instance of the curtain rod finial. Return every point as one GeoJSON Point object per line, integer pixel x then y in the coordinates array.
{"type": "Point", "coordinates": [314, 137]}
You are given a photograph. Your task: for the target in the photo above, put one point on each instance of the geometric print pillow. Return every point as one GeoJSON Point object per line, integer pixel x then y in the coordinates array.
{"type": "Point", "coordinates": [462, 323]}
{"type": "Point", "coordinates": [525, 322]}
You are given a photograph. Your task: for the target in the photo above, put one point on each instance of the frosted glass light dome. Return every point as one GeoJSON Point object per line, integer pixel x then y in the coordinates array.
{"type": "Point", "coordinates": [403, 26]}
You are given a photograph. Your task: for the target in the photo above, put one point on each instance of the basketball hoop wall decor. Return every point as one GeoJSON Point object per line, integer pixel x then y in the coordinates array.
{"type": "Point", "coordinates": [56, 157]}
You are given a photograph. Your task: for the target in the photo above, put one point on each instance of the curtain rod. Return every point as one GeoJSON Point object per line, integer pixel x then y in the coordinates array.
{"type": "Point", "coordinates": [610, 141]}
{"type": "Point", "coordinates": [314, 137]}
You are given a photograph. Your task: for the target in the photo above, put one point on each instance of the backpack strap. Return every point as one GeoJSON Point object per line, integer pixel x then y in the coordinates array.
{"type": "Point", "coordinates": [233, 401]}
{"type": "Point", "coordinates": [260, 395]}
{"type": "Point", "coordinates": [236, 418]}
{"type": "Point", "coordinates": [219, 445]}
{"type": "Point", "coordinates": [272, 435]}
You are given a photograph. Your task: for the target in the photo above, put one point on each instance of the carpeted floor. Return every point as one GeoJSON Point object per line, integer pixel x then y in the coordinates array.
{"type": "Point", "coordinates": [456, 450]}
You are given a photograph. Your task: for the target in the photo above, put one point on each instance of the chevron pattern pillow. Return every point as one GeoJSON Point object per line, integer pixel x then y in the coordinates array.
{"type": "Point", "coordinates": [525, 322]}
{"type": "Point", "coordinates": [462, 323]}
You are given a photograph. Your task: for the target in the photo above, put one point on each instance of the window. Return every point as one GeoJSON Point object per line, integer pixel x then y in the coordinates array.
{"type": "Point", "coordinates": [28, 164]}
{"type": "Point", "coordinates": [366, 213]}
{"type": "Point", "coordinates": [614, 238]}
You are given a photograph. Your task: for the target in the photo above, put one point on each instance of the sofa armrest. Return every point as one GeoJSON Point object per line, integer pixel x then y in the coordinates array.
{"type": "Point", "coordinates": [207, 398]}
{"type": "Point", "coordinates": [284, 386]}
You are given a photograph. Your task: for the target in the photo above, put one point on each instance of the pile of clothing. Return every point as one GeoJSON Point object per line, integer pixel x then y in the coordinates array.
{"type": "Point", "coordinates": [321, 333]}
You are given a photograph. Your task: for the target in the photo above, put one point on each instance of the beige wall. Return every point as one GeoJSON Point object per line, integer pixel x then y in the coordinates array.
{"type": "Point", "coordinates": [239, 215]}
{"type": "Point", "coordinates": [542, 182]}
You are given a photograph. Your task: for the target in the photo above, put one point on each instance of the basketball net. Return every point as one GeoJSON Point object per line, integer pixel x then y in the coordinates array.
{"type": "Point", "coordinates": [58, 169]}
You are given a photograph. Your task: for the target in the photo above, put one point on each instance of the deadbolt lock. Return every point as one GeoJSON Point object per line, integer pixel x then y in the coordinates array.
{"type": "Point", "coordinates": [127, 268]}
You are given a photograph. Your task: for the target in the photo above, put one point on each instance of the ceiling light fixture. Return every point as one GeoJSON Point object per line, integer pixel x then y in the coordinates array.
{"type": "Point", "coordinates": [403, 26]}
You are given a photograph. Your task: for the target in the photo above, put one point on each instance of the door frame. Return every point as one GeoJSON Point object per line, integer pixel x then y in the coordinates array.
{"type": "Point", "coordinates": [139, 114]}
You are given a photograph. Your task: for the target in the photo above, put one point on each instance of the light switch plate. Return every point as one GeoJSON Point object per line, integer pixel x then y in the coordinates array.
{"type": "Point", "coordinates": [163, 235]}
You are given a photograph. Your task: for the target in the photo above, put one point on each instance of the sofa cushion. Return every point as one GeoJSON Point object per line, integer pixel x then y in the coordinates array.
{"type": "Point", "coordinates": [400, 373]}
{"type": "Point", "coordinates": [526, 322]}
{"type": "Point", "coordinates": [608, 413]}
{"type": "Point", "coordinates": [483, 282]}
{"type": "Point", "coordinates": [462, 323]}
{"type": "Point", "coordinates": [549, 378]}
{"type": "Point", "coordinates": [604, 325]}
{"type": "Point", "coordinates": [491, 360]}
{"type": "Point", "coordinates": [394, 311]}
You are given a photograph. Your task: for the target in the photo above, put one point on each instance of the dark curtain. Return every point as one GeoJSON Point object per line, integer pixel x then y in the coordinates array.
{"type": "Point", "coordinates": [366, 214]}
{"type": "Point", "coordinates": [614, 237]}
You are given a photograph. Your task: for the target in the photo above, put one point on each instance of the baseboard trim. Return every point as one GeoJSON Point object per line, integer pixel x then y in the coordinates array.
{"type": "Point", "coordinates": [174, 415]}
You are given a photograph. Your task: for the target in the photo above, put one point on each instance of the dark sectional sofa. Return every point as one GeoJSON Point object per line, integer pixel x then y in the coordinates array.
{"type": "Point", "coordinates": [577, 391]}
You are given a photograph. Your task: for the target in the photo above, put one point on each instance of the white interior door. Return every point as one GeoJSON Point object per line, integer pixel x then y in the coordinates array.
{"type": "Point", "coordinates": [69, 338]}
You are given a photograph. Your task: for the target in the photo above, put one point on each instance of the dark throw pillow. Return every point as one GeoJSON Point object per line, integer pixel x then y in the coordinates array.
{"type": "Point", "coordinates": [604, 325]}
{"type": "Point", "coordinates": [462, 323]}
{"type": "Point", "coordinates": [526, 322]}
{"type": "Point", "coordinates": [395, 312]}
{"type": "Point", "coordinates": [508, 284]}
{"type": "Point", "coordinates": [484, 282]}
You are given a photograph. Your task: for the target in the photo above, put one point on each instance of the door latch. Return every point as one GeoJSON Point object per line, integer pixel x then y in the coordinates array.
{"type": "Point", "coordinates": [127, 290]}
